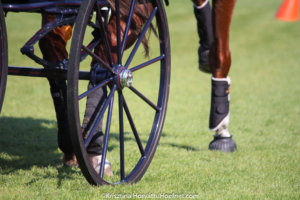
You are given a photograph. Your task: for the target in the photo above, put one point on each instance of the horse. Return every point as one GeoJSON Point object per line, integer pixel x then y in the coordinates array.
{"type": "Point", "coordinates": [214, 55]}
{"type": "Point", "coordinates": [214, 58]}
{"type": "Point", "coordinates": [53, 48]}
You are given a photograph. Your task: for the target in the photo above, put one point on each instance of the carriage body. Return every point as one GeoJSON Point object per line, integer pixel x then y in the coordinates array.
{"type": "Point", "coordinates": [90, 19]}
{"type": "Point", "coordinates": [40, 6]}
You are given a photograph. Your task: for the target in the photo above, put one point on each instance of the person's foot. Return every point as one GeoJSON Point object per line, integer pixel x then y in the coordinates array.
{"type": "Point", "coordinates": [96, 162]}
{"type": "Point", "coordinates": [69, 160]}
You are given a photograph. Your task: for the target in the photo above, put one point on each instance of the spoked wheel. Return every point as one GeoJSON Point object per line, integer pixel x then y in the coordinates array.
{"type": "Point", "coordinates": [3, 56]}
{"type": "Point", "coordinates": [140, 83]}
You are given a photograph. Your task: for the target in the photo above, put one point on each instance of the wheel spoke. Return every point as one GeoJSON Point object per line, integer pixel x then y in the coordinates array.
{"type": "Point", "coordinates": [102, 62]}
{"type": "Point", "coordinates": [127, 26]}
{"type": "Point", "coordinates": [118, 26]}
{"type": "Point", "coordinates": [133, 128]}
{"type": "Point", "coordinates": [121, 125]}
{"type": "Point", "coordinates": [99, 117]}
{"type": "Point", "coordinates": [93, 117]}
{"type": "Point", "coordinates": [103, 32]}
{"type": "Point", "coordinates": [138, 42]}
{"type": "Point", "coordinates": [154, 60]}
{"type": "Point", "coordinates": [90, 46]}
{"type": "Point", "coordinates": [106, 136]}
{"type": "Point", "coordinates": [150, 103]}
{"type": "Point", "coordinates": [100, 85]}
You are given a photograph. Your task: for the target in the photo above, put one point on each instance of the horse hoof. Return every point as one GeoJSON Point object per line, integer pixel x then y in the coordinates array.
{"type": "Point", "coordinates": [225, 144]}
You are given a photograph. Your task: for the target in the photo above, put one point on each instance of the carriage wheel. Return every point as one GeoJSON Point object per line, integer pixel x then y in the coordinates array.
{"type": "Point", "coordinates": [3, 56]}
{"type": "Point", "coordinates": [140, 83]}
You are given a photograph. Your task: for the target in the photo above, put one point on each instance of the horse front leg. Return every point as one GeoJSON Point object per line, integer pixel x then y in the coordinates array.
{"type": "Point", "coordinates": [220, 62]}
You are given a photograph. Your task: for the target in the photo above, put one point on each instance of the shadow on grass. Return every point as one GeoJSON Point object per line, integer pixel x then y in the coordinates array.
{"type": "Point", "coordinates": [182, 146]}
{"type": "Point", "coordinates": [31, 145]}
{"type": "Point", "coordinates": [26, 143]}
{"type": "Point", "coordinates": [129, 137]}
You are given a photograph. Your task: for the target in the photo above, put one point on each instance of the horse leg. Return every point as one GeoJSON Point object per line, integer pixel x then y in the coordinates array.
{"type": "Point", "coordinates": [53, 48]}
{"type": "Point", "coordinates": [100, 50]}
{"type": "Point", "coordinates": [202, 12]}
{"type": "Point", "coordinates": [220, 62]}
{"type": "Point", "coordinates": [97, 98]}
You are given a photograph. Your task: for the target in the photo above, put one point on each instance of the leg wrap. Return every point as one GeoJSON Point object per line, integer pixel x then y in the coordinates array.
{"type": "Point", "coordinates": [205, 32]}
{"type": "Point", "coordinates": [219, 110]}
{"type": "Point", "coordinates": [58, 90]}
{"type": "Point", "coordinates": [219, 116]}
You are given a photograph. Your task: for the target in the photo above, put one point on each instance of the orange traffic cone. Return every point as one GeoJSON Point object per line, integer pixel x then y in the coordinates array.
{"type": "Point", "coordinates": [288, 11]}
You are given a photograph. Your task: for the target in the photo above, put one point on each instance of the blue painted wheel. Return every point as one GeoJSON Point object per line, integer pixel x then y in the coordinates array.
{"type": "Point", "coordinates": [137, 86]}
{"type": "Point", "coordinates": [3, 56]}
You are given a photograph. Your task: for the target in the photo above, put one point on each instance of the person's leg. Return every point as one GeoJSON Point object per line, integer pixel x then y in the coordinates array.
{"type": "Point", "coordinates": [220, 62]}
{"type": "Point", "coordinates": [202, 12]}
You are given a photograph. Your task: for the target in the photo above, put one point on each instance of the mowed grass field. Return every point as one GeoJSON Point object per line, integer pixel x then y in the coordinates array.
{"type": "Point", "coordinates": [265, 119]}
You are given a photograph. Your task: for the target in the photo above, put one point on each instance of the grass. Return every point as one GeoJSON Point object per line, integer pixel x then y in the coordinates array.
{"type": "Point", "coordinates": [265, 115]}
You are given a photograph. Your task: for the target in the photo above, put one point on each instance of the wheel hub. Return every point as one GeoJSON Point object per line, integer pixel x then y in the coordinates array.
{"type": "Point", "coordinates": [125, 77]}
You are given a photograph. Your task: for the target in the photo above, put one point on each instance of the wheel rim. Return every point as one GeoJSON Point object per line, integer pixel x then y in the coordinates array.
{"type": "Point", "coordinates": [123, 78]}
{"type": "Point", "coordinates": [3, 57]}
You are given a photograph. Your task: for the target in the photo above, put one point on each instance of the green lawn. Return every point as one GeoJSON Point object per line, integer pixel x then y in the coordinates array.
{"type": "Point", "coordinates": [265, 119]}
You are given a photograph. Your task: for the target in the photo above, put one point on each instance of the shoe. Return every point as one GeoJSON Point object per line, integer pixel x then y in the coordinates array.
{"type": "Point", "coordinates": [69, 160]}
{"type": "Point", "coordinates": [96, 162]}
